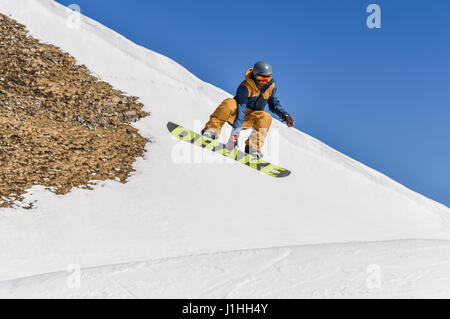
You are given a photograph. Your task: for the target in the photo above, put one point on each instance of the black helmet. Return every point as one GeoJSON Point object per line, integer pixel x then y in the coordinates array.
{"type": "Point", "coordinates": [262, 68]}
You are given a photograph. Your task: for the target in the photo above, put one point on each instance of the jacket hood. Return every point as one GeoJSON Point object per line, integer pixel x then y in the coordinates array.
{"type": "Point", "coordinates": [250, 82]}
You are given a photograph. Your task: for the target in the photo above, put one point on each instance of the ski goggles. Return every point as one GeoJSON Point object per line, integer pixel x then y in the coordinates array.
{"type": "Point", "coordinates": [263, 79]}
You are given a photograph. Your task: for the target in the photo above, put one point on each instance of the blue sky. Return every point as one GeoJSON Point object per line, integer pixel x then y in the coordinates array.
{"type": "Point", "coordinates": [381, 96]}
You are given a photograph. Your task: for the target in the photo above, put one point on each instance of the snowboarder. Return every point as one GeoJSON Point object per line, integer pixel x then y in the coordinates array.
{"type": "Point", "coordinates": [246, 110]}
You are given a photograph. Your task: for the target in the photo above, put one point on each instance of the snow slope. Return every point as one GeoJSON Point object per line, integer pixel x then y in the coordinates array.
{"type": "Point", "coordinates": [404, 269]}
{"type": "Point", "coordinates": [175, 206]}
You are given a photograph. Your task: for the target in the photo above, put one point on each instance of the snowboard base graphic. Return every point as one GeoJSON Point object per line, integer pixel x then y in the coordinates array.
{"type": "Point", "coordinates": [220, 148]}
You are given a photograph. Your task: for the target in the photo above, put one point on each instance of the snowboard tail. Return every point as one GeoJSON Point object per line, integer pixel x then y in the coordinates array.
{"type": "Point", "coordinates": [220, 148]}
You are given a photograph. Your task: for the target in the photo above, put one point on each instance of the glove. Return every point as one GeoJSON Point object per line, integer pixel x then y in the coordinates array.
{"type": "Point", "coordinates": [232, 142]}
{"type": "Point", "coordinates": [288, 119]}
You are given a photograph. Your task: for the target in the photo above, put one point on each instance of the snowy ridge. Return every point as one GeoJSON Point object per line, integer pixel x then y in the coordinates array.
{"type": "Point", "coordinates": [163, 66]}
{"type": "Point", "coordinates": [161, 215]}
{"type": "Point", "coordinates": [313, 147]}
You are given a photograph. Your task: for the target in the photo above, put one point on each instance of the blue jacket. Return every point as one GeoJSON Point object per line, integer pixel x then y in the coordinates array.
{"type": "Point", "coordinates": [249, 96]}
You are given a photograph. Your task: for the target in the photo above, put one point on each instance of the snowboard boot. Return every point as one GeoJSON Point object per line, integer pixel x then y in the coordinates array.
{"type": "Point", "coordinates": [209, 134]}
{"type": "Point", "coordinates": [253, 152]}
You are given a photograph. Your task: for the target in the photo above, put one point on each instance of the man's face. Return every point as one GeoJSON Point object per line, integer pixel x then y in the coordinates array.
{"type": "Point", "coordinates": [262, 80]}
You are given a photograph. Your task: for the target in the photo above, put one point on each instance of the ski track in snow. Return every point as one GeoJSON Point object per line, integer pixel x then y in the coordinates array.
{"type": "Point", "coordinates": [407, 269]}
{"type": "Point", "coordinates": [346, 218]}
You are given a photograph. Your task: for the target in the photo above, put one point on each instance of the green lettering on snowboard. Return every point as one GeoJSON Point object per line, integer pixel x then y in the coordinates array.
{"type": "Point", "coordinates": [206, 143]}
{"type": "Point", "coordinates": [220, 148]}
{"type": "Point", "coordinates": [225, 152]}
{"type": "Point", "coordinates": [253, 162]}
{"type": "Point", "coordinates": [183, 134]}
{"type": "Point", "coordinates": [273, 170]}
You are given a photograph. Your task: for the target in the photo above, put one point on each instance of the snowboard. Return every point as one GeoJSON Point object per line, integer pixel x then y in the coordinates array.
{"type": "Point", "coordinates": [217, 147]}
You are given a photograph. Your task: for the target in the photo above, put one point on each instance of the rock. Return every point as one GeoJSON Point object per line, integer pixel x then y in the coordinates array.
{"type": "Point", "coordinates": [57, 120]}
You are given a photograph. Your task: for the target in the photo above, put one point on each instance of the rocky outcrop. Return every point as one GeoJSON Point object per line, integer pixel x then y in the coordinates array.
{"type": "Point", "coordinates": [59, 125]}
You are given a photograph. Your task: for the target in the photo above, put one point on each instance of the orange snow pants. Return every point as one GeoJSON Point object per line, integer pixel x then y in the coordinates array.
{"type": "Point", "coordinates": [259, 121]}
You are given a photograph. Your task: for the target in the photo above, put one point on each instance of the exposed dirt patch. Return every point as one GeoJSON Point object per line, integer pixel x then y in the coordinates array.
{"type": "Point", "coordinates": [59, 126]}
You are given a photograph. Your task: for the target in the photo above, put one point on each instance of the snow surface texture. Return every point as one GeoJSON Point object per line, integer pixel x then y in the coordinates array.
{"type": "Point", "coordinates": [334, 228]}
